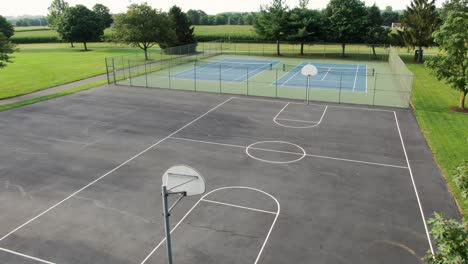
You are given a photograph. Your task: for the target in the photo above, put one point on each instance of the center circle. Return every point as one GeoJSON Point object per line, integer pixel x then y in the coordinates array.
{"type": "Point", "coordinates": [274, 149]}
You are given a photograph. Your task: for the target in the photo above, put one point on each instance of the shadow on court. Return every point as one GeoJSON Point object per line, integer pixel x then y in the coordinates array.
{"type": "Point", "coordinates": [286, 182]}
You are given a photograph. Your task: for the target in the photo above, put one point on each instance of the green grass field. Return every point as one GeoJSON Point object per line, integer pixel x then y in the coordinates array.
{"type": "Point", "coordinates": [226, 30]}
{"type": "Point", "coordinates": [33, 28]}
{"type": "Point", "coordinates": [445, 131]}
{"type": "Point", "coordinates": [40, 66]}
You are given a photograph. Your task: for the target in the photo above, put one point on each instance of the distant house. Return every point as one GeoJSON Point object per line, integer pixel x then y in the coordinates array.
{"type": "Point", "coordinates": [397, 26]}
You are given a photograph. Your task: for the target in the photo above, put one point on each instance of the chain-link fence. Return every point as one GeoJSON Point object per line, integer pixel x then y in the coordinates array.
{"type": "Point", "coordinates": [388, 83]}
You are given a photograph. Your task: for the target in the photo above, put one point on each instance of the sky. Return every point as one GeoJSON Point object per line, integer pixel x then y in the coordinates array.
{"type": "Point", "coordinates": [39, 7]}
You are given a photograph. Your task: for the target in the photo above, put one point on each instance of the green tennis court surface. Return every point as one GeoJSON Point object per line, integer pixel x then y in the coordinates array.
{"type": "Point", "coordinates": [340, 81]}
{"type": "Point", "coordinates": [286, 182]}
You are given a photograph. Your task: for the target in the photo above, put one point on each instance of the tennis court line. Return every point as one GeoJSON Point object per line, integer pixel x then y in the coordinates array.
{"type": "Point", "coordinates": [414, 185]}
{"type": "Point", "coordinates": [25, 256]}
{"type": "Point", "coordinates": [260, 70]}
{"type": "Point", "coordinates": [294, 75]}
{"type": "Point", "coordinates": [325, 76]}
{"type": "Point", "coordinates": [292, 153]}
{"type": "Point", "coordinates": [116, 168]}
{"type": "Point", "coordinates": [281, 100]}
{"type": "Point", "coordinates": [238, 206]}
{"type": "Point", "coordinates": [355, 78]}
{"type": "Point", "coordinates": [224, 188]}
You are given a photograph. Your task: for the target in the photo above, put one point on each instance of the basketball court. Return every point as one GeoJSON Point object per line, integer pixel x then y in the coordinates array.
{"type": "Point", "coordinates": [286, 182]}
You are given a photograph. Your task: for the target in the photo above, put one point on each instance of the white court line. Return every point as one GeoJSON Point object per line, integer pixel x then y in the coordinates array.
{"type": "Point", "coordinates": [238, 206]}
{"type": "Point", "coordinates": [281, 111]}
{"type": "Point", "coordinates": [202, 198]}
{"type": "Point", "coordinates": [279, 100]}
{"type": "Point", "coordinates": [329, 69]}
{"type": "Point", "coordinates": [292, 153]}
{"type": "Point", "coordinates": [292, 76]}
{"type": "Point", "coordinates": [273, 64]}
{"type": "Point", "coordinates": [414, 185]}
{"type": "Point", "coordinates": [295, 120]}
{"type": "Point", "coordinates": [26, 256]}
{"type": "Point", "coordinates": [114, 169]}
{"type": "Point", "coordinates": [355, 78]}
{"type": "Point", "coordinates": [311, 126]}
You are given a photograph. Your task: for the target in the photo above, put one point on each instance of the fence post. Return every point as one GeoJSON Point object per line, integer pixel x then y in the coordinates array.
{"type": "Point", "coordinates": [123, 67]}
{"type": "Point", "coordinates": [114, 71]}
{"type": "Point", "coordinates": [220, 79]}
{"type": "Point", "coordinates": [375, 89]}
{"type": "Point", "coordinates": [411, 90]}
{"type": "Point", "coordinates": [129, 73]}
{"type": "Point", "coordinates": [339, 93]}
{"type": "Point", "coordinates": [146, 75]}
{"type": "Point", "coordinates": [247, 81]}
{"type": "Point", "coordinates": [276, 84]}
{"type": "Point", "coordinates": [169, 72]}
{"type": "Point", "coordinates": [107, 71]}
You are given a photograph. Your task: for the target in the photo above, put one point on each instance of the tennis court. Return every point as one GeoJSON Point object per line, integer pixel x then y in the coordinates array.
{"type": "Point", "coordinates": [286, 182]}
{"type": "Point", "coordinates": [352, 77]}
{"type": "Point", "coordinates": [228, 70]}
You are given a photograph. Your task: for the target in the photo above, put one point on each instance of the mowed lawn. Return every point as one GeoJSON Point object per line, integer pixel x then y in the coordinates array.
{"type": "Point", "coordinates": [225, 30]}
{"type": "Point", "coordinates": [445, 131]}
{"type": "Point", "coordinates": [40, 66]}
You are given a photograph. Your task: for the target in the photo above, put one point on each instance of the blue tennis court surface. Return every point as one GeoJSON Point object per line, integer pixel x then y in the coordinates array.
{"type": "Point", "coordinates": [331, 76]}
{"type": "Point", "coordinates": [227, 70]}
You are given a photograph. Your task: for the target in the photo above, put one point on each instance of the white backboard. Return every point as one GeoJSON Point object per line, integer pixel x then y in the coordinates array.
{"type": "Point", "coordinates": [309, 70]}
{"type": "Point", "coordinates": [181, 178]}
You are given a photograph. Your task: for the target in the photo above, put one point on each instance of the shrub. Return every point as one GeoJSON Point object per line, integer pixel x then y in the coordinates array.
{"type": "Point", "coordinates": [451, 239]}
{"type": "Point", "coordinates": [460, 178]}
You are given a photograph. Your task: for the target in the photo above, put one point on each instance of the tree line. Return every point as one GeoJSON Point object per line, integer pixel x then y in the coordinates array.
{"type": "Point", "coordinates": [199, 17]}
{"type": "Point", "coordinates": [28, 22]}
{"type": "Point", "coordinates": [342, 21]}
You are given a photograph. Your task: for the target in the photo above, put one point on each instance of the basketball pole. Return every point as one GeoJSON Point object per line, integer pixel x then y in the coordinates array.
{"type": "Point", "coordinates": [166, 223]}
{"type": "Point", "coordinates": [308, 85]}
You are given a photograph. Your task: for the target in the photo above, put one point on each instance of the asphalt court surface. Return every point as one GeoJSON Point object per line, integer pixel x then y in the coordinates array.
{"type": "Point", "coordinates": [80, 180]}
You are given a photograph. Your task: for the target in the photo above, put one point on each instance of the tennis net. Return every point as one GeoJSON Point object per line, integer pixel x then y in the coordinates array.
{"type": "Point", "coordinates": [232, 65]}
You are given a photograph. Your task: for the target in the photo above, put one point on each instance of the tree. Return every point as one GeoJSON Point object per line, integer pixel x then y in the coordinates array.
{"type": "Point", "coordinates": [221, 19]}
{"type": "Point", "coordinates": [306, 24]}
{"type": "Point", "coordinates": [143, 26]}
{"type": "Point", "coordinates": [103, 13]}
{"type": "Point", "coordinates": [452, 67]}
{"type": "Point", "coordinates": [389, 16]}
{"type": "Point", "coordinates": [453, 5]}
{"type": "Point", "coordinates": [6, 47]}
{"type": "Point", "coordinates": [419, 21]}
{"type": "Point", "coordinates": [79, 24]}
{"type": "Point", "coordinates": [6, 28]}
{"type": "Point", "coordinates": [183, 29]}
{"type": "Point", "coordinates": [273, 22]}
{"type": "Point", "coordinates": [56, 9]}
{"type": "Point", "coordinates": [346, 21]}
{"type": "Point", "coordinates": [375, 33]}
{"type": "Point", "coordinates": [194, 16]}
{"type": "Point", "coordinates": [451, 238]}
